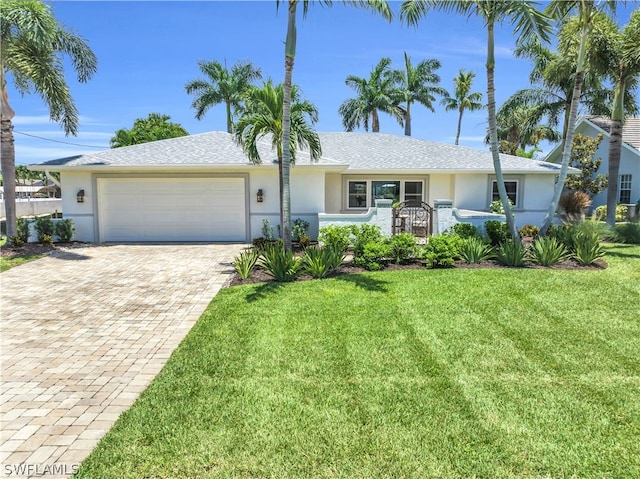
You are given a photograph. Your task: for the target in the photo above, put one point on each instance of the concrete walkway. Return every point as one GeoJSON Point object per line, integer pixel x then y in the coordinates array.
{"type": "Point", "coordinates": [83, 332]}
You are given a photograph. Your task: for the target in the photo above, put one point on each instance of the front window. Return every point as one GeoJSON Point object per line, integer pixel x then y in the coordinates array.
{"type": "Point", "coordinates": [625, 189]}
{"type": "Point", "coordinates": [363, 193]}
{"type": "Point", "coordinates": [413, 193]}
{"type": "Point", "coordinates": [512, 191]}
{"type": "Point", "coordinates": [357, 194]}
{"type": "Point", "coordinates": [385, 190]}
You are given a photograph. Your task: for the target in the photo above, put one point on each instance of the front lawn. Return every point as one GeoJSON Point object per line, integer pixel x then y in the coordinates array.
{"type": "Point", "coordinates": [486, 373]}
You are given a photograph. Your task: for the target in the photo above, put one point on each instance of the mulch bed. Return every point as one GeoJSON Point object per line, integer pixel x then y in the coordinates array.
{"type": "Point", "coordinates": [30, 249]}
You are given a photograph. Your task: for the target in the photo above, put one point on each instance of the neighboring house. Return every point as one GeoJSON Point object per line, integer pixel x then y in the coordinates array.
{"type": "Point", "coordinates": [203, 188]}
{"type": "Point", "coordinates": [629, 174]}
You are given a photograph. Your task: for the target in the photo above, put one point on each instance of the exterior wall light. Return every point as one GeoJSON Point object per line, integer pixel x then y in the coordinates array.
{"type": "Point", "coordinates": [260, 196]}
{"type": "Point", "coordinates": [80, 196]}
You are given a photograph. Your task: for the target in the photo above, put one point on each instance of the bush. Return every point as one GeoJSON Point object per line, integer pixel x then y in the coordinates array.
{"type": "Point", "coordinates": [529, 230]}
{"type": "Point", "coordinates": [245, 262]}
{"type": "Point", "coordinates": [299, 229]}
{"type": "Point", "coordinates": [372, 255]}
{"type": "Point", "coordinates": [22, 231]}
{"type": "Point", "coordinates": [64, 230]}
{"type": "Point", "coordinates": [465, 230]}
{"type": "Point", "coordinates": [497, 231]}
{"type": "Point", "coordinates": [512, 253]}
{"type": "Point", "coordinates": [337, 237]}
{"type": "Point", "coordinates": [587, 248]}
{"type": "Point", "coordinates": [566, 233]}
{"type": "Point", "coordinates": [548, 251]}
{"type": "Point", "coordinates": [441, 251]}
{"type": "Point", "coordinates": [364, 235]}
{"type": "Point", "coordinates": [621, 213]}
{"type": "Point", "coordinates": [627, 233]}
{"type": "Point", "coordinates": [474, 250]}
{"type": "Point", "coordinates": [319, 262]}
{"type": "Point", "coordinates": [574, 204]}
{"type": "Point", "coordinates": [304, 241]}
{"type": "Point", "coordinates": [496, 207]}
{"type": "Point", "coordinates": [267, 230]}
{"type": "Point", "coordinates": [279, 263]}
{"type": "Point", "coordinates": [44, 228]}
{"type": "Point", "coordinates": [16, 241]}
{"type": "Point", "coordinates": [402, 247]}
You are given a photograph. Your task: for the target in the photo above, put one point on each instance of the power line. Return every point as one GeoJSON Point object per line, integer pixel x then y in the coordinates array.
{"type": "Point", "coordinates": [59, 141]}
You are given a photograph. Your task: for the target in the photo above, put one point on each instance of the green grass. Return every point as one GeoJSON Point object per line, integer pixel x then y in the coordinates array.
{"type": "Point", "coordinates": [470, 373]}
{"type": "Point", "coordinates": [8, 263]}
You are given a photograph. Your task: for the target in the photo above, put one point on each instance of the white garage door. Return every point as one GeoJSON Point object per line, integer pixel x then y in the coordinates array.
{"type": "Point", "coordinates": [171, 209]}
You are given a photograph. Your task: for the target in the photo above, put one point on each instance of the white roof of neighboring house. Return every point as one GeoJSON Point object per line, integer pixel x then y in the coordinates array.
{"type": "Point", "coordinates": [349, 151]}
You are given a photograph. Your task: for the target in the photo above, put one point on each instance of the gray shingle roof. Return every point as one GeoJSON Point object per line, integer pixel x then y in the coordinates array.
{"type": "Point", "coordinates": [630, 130]}
{"type": "Point", "coordinates": [360, 151]}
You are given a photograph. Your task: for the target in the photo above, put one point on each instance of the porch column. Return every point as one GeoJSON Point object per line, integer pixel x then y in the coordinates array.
{"type": "Point", "coordinates": [444, 216]}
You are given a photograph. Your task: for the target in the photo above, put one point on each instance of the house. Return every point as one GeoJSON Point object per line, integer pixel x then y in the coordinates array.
{"type": "Point", "coordinates": [203, 188]}
{"type": "Point", "coordinates": [629, 174]}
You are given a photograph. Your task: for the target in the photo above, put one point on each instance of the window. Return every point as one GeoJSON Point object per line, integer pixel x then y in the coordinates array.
{"type": "Point", "coordinates": [385, 190]}
{"type": "Point", "coordinates": [625, 189]}
{"type": "Point", "coordinates": [357, 194]}
{"type": "Point", "coordinates": [512, 191]}
{"type": "Point", "coordinates": [413, 193]}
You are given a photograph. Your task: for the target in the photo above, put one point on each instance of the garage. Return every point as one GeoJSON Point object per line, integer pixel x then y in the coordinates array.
{"type": "Point", "coordinates": [147, 209]}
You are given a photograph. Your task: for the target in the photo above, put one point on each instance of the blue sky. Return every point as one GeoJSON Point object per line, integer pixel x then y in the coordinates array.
{"type": "Point", "coordinates": [147, 51]}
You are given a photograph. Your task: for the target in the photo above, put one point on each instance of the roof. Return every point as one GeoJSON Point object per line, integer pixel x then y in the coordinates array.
{"type": "Point", "coordinates": [353, 151]}
{"type": "Point", "coordinates": [630, 129]}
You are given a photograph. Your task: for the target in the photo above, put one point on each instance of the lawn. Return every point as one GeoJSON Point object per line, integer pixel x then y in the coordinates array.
{"type": "Point", "coordinates": [470, 373]}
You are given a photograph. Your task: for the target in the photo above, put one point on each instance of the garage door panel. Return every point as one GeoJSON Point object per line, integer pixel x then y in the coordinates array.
{"type": "Point", "coordinates": [172, 209]}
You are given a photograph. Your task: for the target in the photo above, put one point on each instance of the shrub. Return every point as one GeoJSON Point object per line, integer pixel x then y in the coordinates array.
{"type": "Point", "coordinates": [587, 248]}
{"type": "Point", "coordinates": [574, 204]}
{"type": "Point", "coordinates": [319, 262]}
{"type": "Point", "coordinates": [337, 237]}
{"type": "Point", "coordinates": [279, 263]}
{"type": "Point", "coordinates": [497, 231]}
{"type": "Point", "coordinates": [299, 229]}
{"type": "Point", "coordinates": [512, 253]}
{"type": "Point", "coordinates": [402, 247]}
{"type": "Point", "coordinates": [304, 241]}
{"type": "Point", "coordinates": [627, 233]}
{"type": "Point", "coordinates": [22, 230]}
{"type": "Point", "coordinates": [441, 251]}
{"type": "Point", "coordinates": [267, 230]}
{"type": "Point", "coordinates": [245, 262]}
{"type": "Point", "coordinates": [364, 235]}
{"type": "Point", "coordinates": [548, 251]}
{"type": "Point", "coordinates": [529, 230]}
{"type": "Point", "coordinates": [473, 250]}
{"type": "Point", "coordinates": [44, 228]}
{"type": "Point", "coordinates": [372, 255]}
{"type": "Point", "coordinates": [465, 230]}
{"type": "Point", "coordinates": [64, 229]}
{"type": "Point", "coordinates": [496, 207]}
{"type": "Point", "coordinates": [621, 213]}
{"type": "Point", "coordinates": [566, 233]}
{"type": "Point", "coordinates": [16, 241]}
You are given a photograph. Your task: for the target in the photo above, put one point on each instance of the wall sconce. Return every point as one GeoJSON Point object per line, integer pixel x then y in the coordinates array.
{"type": "Point", "coordinates": [80, 196]}
{"type": "Point", "coordinates": [260, 196]}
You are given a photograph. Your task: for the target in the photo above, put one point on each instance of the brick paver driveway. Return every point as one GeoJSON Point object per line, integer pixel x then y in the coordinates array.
{"type": "Point", "coordinates": [83, 332]}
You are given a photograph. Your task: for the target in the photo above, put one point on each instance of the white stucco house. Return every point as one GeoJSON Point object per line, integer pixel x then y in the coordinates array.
{"type": "Point", "coordinates": [629, 174]}
{"type": "Point", "coordinates": [203, 188]}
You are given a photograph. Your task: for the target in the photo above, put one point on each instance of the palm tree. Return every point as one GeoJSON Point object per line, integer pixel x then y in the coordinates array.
{"type": "Point", "coordinates": [587, 11]}
{"type": "Point", "coordinates": [528, 22]}
{"type": "Point", "coordinates": [262, 118]}
{"type": "Point", "coordinates": [520, 126]}
{"type": "Point", "coordinates": [462, 98]}
{"type": "Point", "coordinates": [381, 92]}
{"type": "Point", "coordinates": [32, 47]}
{"type": "Point", "coordinates": [419, 83]}
{"type": "Point", "coordinates": [289, 57]}
{"type": "Point", "coordinates": [221, 86]}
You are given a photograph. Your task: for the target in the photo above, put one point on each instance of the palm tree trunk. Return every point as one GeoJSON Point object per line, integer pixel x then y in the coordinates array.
{"type": "Point", "coordinates": [459, 125]}
{"type": "Point", "coordinates": [615, 150]}
{"type": "Point", "coordinates": [375, 122]}
{"type": "Point", "coordinates": [290, 51]}
{"type": "Point", "coordinates": [407, 120]}
{"type": "Point", "coordinates": [229, 120]}
{"type": "Point", "coordinates": [493, 134]}
{"type": "Point", "coordinates": [8, 162]}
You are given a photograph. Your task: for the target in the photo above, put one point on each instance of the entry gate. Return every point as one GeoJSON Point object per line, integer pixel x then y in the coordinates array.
{"type": "Point", "coordinates": [411, 218]}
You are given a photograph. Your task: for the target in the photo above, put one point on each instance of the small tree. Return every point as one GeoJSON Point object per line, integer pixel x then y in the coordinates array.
{"type": "Point", "coordinates": [583, 154]}
{"type": "Point", "coordinates": [154, 127]}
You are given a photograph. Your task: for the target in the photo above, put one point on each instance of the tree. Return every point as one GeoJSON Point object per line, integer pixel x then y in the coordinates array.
{"type": "Point", "coordinates": [154, 127]}
{"type": "Point", "coordinates": [289, 57]}
{"type": "Point", "coordinates": [32, 48]}
{"type": "Point", "coordinates": [519, 127]}
{"type": "Point", "coordinates": [528, 23]}
{"type": "Point", "coordinates": [419, 84]}
{"type": "Point", "coordinates": [462, 98]}
{"type": "Point", "coordinates": [379, 93]}
{"type": "Point", "coordinates": [221, 86]}
{"type": "Point", "coordinates": [587, 11]}
{"type": "Point", "coordinates": [263, 118]}
{"type": "Point", "coordinates": [583, 157]}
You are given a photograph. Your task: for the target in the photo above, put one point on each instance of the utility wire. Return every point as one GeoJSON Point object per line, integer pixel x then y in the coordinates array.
{"type": "Point", "coordinates": [59, 141]}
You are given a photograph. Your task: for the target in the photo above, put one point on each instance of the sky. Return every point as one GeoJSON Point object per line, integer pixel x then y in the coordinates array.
{"type": "Point", "coordinates": [148, 50]}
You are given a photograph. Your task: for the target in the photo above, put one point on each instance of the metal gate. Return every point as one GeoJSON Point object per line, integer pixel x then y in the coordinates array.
{"type": "Point", "coordinates": [411, 218]}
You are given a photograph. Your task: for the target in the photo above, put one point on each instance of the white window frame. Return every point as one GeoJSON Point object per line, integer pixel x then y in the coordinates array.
{"type": "Point", "coordinates": [624, 184]}
{"type": "Point", "coordinates": [369, 180]}
{"type": "Point", "coordinates": [519, 181]}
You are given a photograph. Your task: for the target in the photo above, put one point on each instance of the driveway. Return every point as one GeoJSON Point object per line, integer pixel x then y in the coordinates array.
{"type": "Point", "coordinates": [83, 333]}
